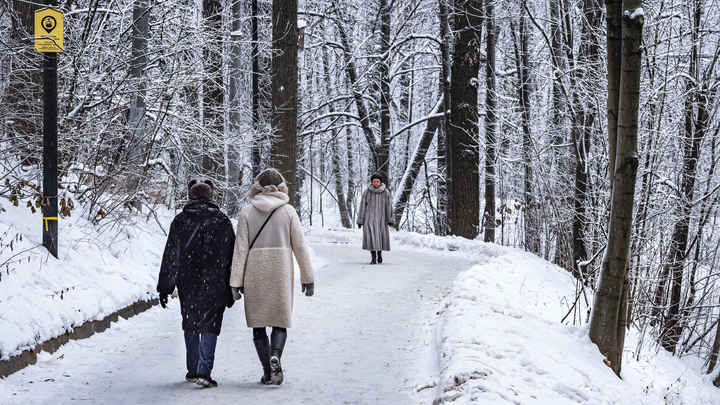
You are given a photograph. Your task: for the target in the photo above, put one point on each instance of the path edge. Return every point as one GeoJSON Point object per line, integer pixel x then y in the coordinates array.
{"type": "Point", "coordinates": [84, 331]}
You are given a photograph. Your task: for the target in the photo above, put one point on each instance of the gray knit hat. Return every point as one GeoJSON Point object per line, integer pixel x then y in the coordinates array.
{"type": "Point", "coordinates": [270, 177]}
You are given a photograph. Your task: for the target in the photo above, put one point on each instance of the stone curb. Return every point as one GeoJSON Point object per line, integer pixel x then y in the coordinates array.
{"type": "Point", "coordinates": [89, 328]}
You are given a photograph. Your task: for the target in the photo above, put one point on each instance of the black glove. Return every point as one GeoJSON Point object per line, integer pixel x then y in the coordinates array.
{"type": "Point", "coordinates": [359, 226]}
{"type": "Point", "coordinates": [242, 290]}
{"type": "Point", "coordinates": [230, 303]}
{"type": "Point", "coordinates": [236, 294]}
{"type": "Point", "coordinates": [163, 300]}
{"type": "Point", "coordinates": [308, 289]}
{"type": "Point", "coordinates": [390, 224]}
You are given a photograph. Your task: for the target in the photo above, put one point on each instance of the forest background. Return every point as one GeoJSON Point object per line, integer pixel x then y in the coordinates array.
{"type": "Point", "coordinates": [584, 132]}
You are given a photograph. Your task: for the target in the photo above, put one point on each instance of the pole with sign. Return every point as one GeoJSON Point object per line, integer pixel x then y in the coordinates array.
{"type": "Point", "coordinates": [49, 26]}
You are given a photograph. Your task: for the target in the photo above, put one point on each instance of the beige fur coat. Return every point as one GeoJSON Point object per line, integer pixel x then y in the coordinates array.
{"type": "Point", "coordinates": [266, 271]}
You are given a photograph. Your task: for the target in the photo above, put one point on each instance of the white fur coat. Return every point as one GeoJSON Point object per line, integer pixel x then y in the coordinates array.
{"type": "Point", "coordinates": [266, 271]}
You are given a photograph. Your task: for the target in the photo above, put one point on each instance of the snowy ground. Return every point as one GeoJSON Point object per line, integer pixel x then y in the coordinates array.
{"type": "Point", "coordinates": [443, 320]}
{"type": "Point", "coordinates": [357, 341]}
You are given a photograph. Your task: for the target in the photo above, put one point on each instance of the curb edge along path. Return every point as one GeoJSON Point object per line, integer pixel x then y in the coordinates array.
{"type": "Point", "coordinates": [84, 331]}
{"type": "Point", "coordinates": [364, 338]}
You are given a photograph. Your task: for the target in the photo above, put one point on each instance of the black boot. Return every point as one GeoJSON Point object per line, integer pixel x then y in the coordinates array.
{"type": "Point", "coordinates": [262, 346]}
{"type": "Point", "coordinates": [373, 261]}
{"type": "Point", "coordinates": [379, 255]}
{"type": "Point", "coordinates": [278, 338]}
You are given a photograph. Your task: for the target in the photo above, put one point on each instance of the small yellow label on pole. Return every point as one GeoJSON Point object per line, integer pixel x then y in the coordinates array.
{"type": "Point", "coordinates": [49, 29]}
{"type": "Point", "coordinates": [47, 229]}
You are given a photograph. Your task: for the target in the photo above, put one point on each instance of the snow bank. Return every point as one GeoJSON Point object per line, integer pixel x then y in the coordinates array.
{"type": "Point", "coordinates": [96, 274]}
{"type": "Point", "coordinates": [500, 340]}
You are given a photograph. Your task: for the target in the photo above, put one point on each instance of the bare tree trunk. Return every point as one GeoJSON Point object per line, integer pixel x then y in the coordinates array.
{"type": "Point", "coordinates": [560, 158]}
{"type": "Point", "coordinates": [706, 208]}
{"type": "Point", "coordinates": [383, 158]}
{"type": "Point", "coordinates": [234, 157]}
{"type": "Point", "coordinates": [531, 221]}
{"type": "Point", "coordinates": [255, 55]}
{"type": "Point", "coordinates": [351, 72]}
{"type": "Point", "coordinates": [18, 103]}
{"type": "Point", "coordinates": [339, 185]}
{"type": "Point", "coordinates": [407, 183]}
{"type": "Point", "coordinates": [445, 80]}
{"type": "Point", "coordinates": [351, 185]}
{"type": "Point", "coordinates": [285, 90]}
{"type": "Point", "coordinates": [213, 93]}
{"type": "Point", "coordinates": [559, 101]}
{"type": "Point", "coordinates": [614, 57]}
{"type": "Point", "coordinates": [677, 251]}
{"type": "Point", "coordinates": [490, 125]}
{"type": "Point", "coordinates": [138, 65]}
{"type": "Point", "coordinates": [607, 323]}
{"type": "Point", "coordinates": [337, 151]}
{"type": "Point", "coordinates": [462, 146]}
{"type": "Point", "coordinates": [714, 355]}
{"type": "Point", "coordinates": [582, 131]}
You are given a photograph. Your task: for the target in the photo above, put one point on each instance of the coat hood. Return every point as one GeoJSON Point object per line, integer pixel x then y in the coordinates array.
{"type": "Point", "coordinates": [201, 206]}
{"type": "Point", "coordinates": [269, 197]}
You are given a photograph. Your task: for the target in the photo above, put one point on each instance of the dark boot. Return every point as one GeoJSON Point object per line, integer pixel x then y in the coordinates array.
{"type": "Point", "coordinates": [277, 338]}
{"type": "Point", "coordinates": [379, 255]}
{"type": "Point", "coordinates": [373, 254]}
{"type": "Point", "coordinates": [262, 346]}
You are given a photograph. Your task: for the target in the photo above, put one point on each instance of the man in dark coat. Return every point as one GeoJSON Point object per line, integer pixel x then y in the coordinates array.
{"type": "Point", "coordinates": [197, 259]}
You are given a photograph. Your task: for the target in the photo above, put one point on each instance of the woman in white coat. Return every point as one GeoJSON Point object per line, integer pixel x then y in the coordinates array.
{"type": "Point", "coordinates": [268, 234]}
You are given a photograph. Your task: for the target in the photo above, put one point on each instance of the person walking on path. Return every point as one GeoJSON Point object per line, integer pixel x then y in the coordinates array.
{"type": "Point", "coordinates": [375, 215]}
{"type": "Point", "coordinates": [197, 259]}
{"type": "Point", "coordinates": [268, 233]}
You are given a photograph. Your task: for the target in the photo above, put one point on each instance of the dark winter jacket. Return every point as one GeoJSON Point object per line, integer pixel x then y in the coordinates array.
{"type": "Point", "coordinates": [197, 260]}
{"type": "Point", "coordinates": [374, 214]}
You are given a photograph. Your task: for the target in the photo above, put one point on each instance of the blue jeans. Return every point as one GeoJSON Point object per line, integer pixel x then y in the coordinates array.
{"type": "Point", "coordinates": [200, 353]}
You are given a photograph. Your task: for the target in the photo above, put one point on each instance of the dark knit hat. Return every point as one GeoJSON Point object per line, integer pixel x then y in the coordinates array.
{"type": "Point", "coordinates": [377, 176]}
{"type": "Point", "coordinates": [270, 177]}
{"type": "Point", "coordinates": [200, 188]}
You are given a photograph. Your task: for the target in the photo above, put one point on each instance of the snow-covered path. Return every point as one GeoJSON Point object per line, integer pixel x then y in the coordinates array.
{"type": "Point", "coordinates": [362, 339]}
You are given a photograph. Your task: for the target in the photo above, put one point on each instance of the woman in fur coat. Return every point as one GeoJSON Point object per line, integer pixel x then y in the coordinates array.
{"type": "Point", "coordinates": [268, 234]}
{"type": "Point", "coordinates": [375, 215]}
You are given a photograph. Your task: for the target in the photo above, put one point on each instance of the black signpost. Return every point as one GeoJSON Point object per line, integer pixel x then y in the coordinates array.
{"type": "Point", "coordinates": [49, 40]}
{"type": "Point", "coordinates": [50, 170]}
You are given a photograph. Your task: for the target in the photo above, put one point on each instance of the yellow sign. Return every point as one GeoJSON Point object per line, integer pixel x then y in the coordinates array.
{"type": "Point", "coordinates": [49, 30]}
